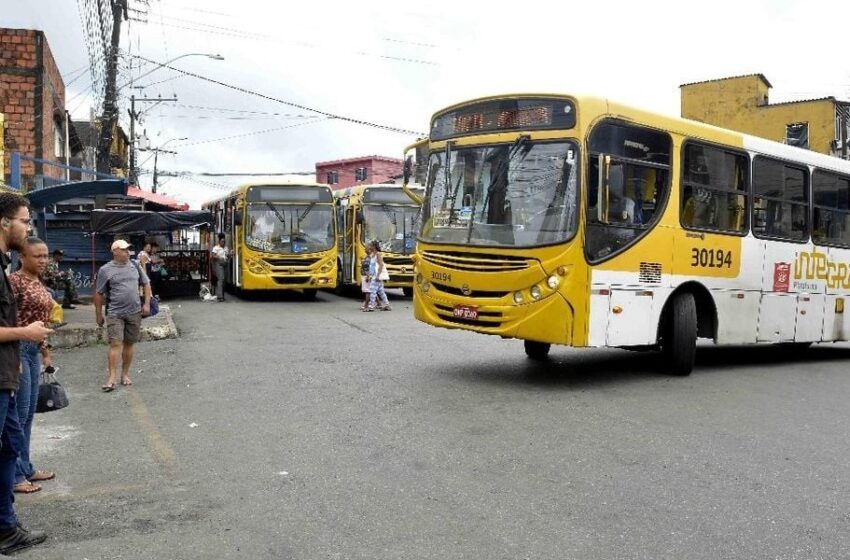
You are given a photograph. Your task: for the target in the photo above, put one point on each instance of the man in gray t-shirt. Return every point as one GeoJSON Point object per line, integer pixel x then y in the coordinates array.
{"type": "Point", "coordinates": [118, 283]}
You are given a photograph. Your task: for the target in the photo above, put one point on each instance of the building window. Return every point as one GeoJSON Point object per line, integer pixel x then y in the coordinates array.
{"type": "Point", "coordinates": [797, 134]}
{"type": "Point", "coordinates": [58, 141]}
{"type": "Point", "coordinates": [333, 177]}
{"type": "Point", "coordinates": [360, 174]}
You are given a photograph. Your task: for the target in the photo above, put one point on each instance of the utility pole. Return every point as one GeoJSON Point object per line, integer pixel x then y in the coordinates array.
{"type": "Point", "coordinates": [156, 152]}
{"type": "Point", "coordinates": [133, 117]}
{"type": "Point", "coordinates": [110, 102]}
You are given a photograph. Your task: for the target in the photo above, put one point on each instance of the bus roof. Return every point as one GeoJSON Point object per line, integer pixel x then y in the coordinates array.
{"type": "Point", "coordinates": [241, 189]}
{"type": "Point", "coordinates": [598, 106]}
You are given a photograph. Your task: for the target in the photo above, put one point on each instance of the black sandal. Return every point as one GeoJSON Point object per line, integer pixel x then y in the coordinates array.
{"type": "Point", "coordinates": [108, 387]}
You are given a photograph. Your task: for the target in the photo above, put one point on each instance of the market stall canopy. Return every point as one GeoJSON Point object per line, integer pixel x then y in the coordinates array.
{"type": "Point", "coordinates": [127, 221]}
{"type": "Point", "coordinates": [48, 196]}
{"type": "Point", "coordinates": [156, 198]}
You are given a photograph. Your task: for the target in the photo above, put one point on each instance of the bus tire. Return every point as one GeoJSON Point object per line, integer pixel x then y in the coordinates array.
{"type": "Point", "coordinates": [310, 294]}
{"type": "Point", "coordinates": [408, 291]}
{"type": "Point", "coordinates": [538, 351]}
{"type": "Point", "coordinates": [679, 343]}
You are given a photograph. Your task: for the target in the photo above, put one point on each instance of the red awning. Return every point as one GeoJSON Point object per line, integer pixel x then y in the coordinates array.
{"type": "Point", "coordinates": [156, 198]}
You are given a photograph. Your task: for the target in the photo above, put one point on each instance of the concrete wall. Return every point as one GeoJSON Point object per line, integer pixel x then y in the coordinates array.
{"type": "Point", "coordinates": [742, 104]}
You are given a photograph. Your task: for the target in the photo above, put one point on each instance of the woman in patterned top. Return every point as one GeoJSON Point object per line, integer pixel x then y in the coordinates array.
{"type": "Point", "coordinates": [34, 304]}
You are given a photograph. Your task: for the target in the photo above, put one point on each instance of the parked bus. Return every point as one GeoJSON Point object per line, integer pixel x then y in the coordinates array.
{"type": "Point", "coordinates": [582, 222]}
{"type": "Point", "coordinates": [281, 236]}
{"type": "Point", "coordinates": [377, 212]}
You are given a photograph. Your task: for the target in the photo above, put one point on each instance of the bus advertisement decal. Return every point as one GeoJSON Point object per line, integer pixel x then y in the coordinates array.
{"type": "Point", "coordinates": [781, 276]}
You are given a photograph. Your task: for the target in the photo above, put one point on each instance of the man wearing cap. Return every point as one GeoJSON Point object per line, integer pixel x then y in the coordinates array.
{"type": "Point", "coordinates": [56, 279]}
{"type": "Point", "coordinates": [117, 285]}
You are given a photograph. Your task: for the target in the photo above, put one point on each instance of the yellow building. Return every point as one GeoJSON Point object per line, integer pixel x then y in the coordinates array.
{"type": "Point", "coordinates": [741, 103]}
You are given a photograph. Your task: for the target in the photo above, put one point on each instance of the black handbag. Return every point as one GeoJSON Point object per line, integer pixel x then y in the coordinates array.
{"type": "Point", "coordinates": [51, 395]}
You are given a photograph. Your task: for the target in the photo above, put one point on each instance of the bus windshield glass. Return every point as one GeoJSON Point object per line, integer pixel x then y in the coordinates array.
{"type": "Point", "coordinates": [522, 194]}
{"type": "Point", "coordinates": [273, 227]}
{"type": "Point", "coordinates": [395, 227]}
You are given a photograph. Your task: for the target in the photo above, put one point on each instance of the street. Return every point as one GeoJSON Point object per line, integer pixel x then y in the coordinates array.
{"type": "Point", "coordinates": [277, 428]}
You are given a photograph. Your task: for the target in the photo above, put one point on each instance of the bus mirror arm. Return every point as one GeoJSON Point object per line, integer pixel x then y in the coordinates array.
{"type": "Point", "coordinates": [413, 196]}
{"type": "Point", "coordinates": [602, 190]}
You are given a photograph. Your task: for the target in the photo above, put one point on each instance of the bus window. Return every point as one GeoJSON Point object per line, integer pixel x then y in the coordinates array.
{"type": "Point", "coordinates": [636, 188]}
{"type": "Point", "coordinates": [714, 189]}
{"type": "Point", "coordinates": [831, 200]}
{"type": "Point", "coordinates": [780, 207]}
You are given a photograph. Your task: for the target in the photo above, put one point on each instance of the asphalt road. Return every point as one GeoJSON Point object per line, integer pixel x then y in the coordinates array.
{"type": "Point", "coordinates": [309, 430]}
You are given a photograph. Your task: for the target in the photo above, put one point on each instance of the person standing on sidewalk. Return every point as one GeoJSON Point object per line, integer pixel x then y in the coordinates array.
{"type": "Point", "coordinates": [219, 256]}
{"type": "Point", "coordinates": [34, 304]}
{"type": "Point", "coordinates": [15, 224]}
{"type": "Point", "coordinates": [118, 282]}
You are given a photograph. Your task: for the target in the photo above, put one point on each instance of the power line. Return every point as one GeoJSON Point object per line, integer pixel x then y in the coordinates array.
{"type": "Point", "coordinates": [254, 133]}
{"type": "Point", "coordinates": [290, 103]}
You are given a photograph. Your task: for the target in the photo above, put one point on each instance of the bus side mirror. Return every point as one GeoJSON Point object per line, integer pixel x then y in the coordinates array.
{"type": "Point", "coordinates": [237, 218]}
{"type": "Point", "coordinates": [603, 189]}
{"type": "Point", "coordinates": [358, 217]}
{"type": "Point", "coordinates": [408, 169]}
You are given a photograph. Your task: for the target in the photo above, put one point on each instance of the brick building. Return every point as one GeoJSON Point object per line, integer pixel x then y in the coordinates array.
{"type": "Point", "coordinates": [32, 98]}
{"type": "Point", "coordinates": [366, 170]}
{"type": "Point", "coordinates": [741, 103]}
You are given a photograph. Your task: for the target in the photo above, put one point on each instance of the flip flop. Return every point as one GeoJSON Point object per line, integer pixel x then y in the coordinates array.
{"type": "Point", "coordinates": [108, 387]}
{"type": "Point", "coordinates": [26, 487]}
{"type": "Point", "coordinates": [39, 476]}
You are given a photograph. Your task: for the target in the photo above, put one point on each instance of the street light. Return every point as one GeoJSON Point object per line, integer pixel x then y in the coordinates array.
{"type": "Point", "coordinates": [156, 157]}
{"type": "Point", "coordinates": [166, 63]}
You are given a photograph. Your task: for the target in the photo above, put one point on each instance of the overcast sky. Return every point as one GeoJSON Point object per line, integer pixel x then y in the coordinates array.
{"type": "Point", "coordinates": [396, 63]}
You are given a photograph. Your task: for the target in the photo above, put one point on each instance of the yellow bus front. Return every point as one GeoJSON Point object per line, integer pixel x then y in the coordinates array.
{"type": "Point", "coordinates": [499, 251]}
{"type": "Point", "coordinates": [288, 238]}
{"type": "Point", "coordinates": [391, 219]}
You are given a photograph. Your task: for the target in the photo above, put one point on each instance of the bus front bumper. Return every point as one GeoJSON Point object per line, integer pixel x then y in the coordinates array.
{"type": "Point", "coordinates": [547, 320]}
{"type": "Point", "coordinates": [296, 280]}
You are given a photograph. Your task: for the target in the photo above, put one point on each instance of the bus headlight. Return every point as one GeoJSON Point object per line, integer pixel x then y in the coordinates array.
{"type": "Point", "coordinates": [327, 267]}
{"type": "Point", "coordinates": [518, 297]}
{"type": "Point", "coordinates": [418, 278]}
{"type": "Point", "coordinates": [553, 281]}
{"type": "Point", "coordinates": [426, 286]}
{"type": "Point", "coordinates": [535, 292]}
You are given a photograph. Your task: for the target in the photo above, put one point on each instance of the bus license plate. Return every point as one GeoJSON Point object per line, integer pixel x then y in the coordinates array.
{"type": "Point", "coordinates": [466, 312]}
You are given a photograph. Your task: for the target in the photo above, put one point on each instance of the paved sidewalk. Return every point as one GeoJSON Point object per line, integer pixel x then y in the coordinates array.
{"type": "Point", "coordinates": [82, 330]}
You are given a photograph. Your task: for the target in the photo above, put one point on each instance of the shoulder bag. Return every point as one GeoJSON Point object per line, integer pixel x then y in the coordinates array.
{"type": "Point", "coordinates": [51, 395]}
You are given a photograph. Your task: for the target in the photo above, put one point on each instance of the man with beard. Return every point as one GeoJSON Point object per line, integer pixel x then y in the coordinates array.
{"type": "Point", "coordinates": [15, 224]}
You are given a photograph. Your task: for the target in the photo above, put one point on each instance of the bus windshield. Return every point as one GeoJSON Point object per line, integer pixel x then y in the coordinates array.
{"type": "Point", "coordinates": [513, 195]}
{"type": "Point", "coordinates": [395, 227]}
{"type": "Point", "coordinates": [274, 227]}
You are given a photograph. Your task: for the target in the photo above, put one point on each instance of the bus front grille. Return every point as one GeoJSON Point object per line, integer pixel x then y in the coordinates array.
{"type": "Point", "coordinates": [485, 320]}
{"type": "Point", "coordinates": [285, 280]}
{"type": "Point", "coordinates": [476, 262]}
{"type": "Point", "coordinates": [401, 261]}
{"type": "Point", "coordinates": [471, 293]}
{"type": "Point", "coordinates": [292, 262]}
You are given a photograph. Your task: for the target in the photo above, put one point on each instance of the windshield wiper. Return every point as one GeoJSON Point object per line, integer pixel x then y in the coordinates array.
{"type": "Point", "coordinates": [304, 215]}
{"type": "Point", "coordinates": [494, 180]}
{"type": "Point", "coordinates": [503, 164]}
{"type": "Point", "coordinates": [277, 213]}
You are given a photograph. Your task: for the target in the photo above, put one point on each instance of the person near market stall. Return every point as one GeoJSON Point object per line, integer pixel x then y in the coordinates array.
{"type": "Point", "coordinates": [56, 280]}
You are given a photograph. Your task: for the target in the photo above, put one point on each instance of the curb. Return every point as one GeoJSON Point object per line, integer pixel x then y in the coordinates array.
{"type": "Point", "coordinates": [74, 335]}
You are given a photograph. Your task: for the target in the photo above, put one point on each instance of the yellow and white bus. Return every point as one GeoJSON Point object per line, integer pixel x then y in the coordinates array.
{"type": "Point", "coordinates": [281, 236]}
{"type": "Point", "coordinates": [579, 221]}
{"type": "Point", "coordinates": [377, 212]}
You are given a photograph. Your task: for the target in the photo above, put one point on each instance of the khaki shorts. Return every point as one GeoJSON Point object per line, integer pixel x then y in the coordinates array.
{"type": "Point", "coordinates": [124, 329]}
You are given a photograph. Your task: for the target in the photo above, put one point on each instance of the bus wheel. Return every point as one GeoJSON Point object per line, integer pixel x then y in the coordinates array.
{"type": "Point", "coordinates": [408, 291]}
{"type": "Point", "coordinates": [310, 294]}
{"type": "Point", "coordinates": [537, 350]}
{"type": "Point", "coordinates": [679, 339]}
